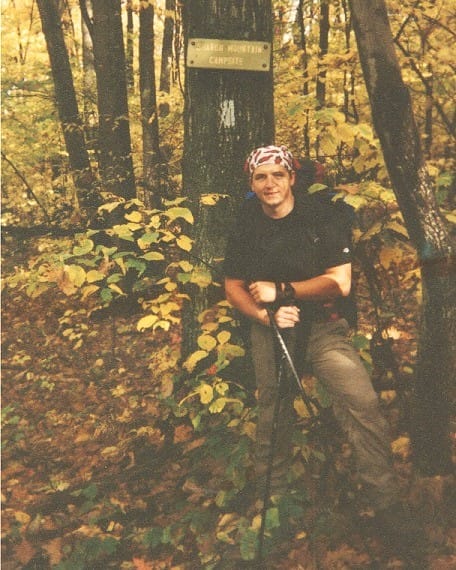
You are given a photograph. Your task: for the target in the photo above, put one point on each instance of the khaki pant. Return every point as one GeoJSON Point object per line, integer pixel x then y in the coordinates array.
{"type": "Point", "coordinates": [338, 367]}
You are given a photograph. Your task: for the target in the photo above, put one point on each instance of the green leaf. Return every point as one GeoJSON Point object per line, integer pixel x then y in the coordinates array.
{"type": "Point", "coordinates": [201, 277]}
{"type": "Point", "coordinates": [248, 544]}
{"type": "Point", "coordinates": [176, 212]}
{"type": "Point", "coordinates": [84, 247]}
{"type": "Point", "coordinates": [153, 256]}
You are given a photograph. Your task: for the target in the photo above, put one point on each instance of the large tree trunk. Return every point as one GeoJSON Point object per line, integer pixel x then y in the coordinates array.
{"type": "Point", "coordinates": [395, 125]}
{"type": "Point", "coordinates": [67, 104]}
{"type": "Point", "coordinates": [149, 116]}
{"type": "Point", "coordinates": [227, 113]}
{"type": "Point", "coordinates": [116, 163]}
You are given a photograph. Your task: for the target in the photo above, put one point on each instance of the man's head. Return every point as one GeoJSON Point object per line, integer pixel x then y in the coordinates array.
{"type": "Point", "coordinates": [270, 154]}
{"type": "Point", "coordinates": [272, 176]}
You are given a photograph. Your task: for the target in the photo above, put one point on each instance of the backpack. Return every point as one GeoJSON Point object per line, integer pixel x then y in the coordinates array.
{"type": "Point", "coordinates": [310, 180]}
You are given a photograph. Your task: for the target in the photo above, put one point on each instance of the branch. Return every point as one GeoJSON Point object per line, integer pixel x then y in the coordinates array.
{"type": "Point", "coordinates": [27, 186]}
{"type": "Point", "coordinates": [86, 17]}
{"type": "Point", "coordinates": [425, 82]}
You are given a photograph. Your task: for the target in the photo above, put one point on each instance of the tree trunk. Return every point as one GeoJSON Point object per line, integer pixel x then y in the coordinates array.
{"type": "Point", "coordinates": [130, 46]}
{"type": "Point", "coordinates": [323, 45]}
{"type": "Point", "coordinates": [89, 82]}
{"type": "Point", "coordinates": [149, 116]}
{"type": "Point", "coordinates": [116, 163]}
{"type": "Point", "coordinates": [395, 125]}
{"type": "Point", "coordinates": [167, 47]}
{"type": "Point", "coordinates": [67, 104]}
{"type": "Point", "coordinates": [227, 114]}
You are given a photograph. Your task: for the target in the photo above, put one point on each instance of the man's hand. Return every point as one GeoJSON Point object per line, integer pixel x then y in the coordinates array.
{"type": "Point", "coordinates": [263, 291]}
{"type": "Point", "coordinates": [287, 317]}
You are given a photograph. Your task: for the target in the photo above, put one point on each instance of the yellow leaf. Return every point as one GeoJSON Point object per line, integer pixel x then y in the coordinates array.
{"type": "Point", "coordinates": [221, 388]}
{"type": "Point", "coordinates": [179, 212]}
{"type": "Point", "coordinates": [223, 337]}
{"type": "Point", "coordinates": [116, 288]}
{"type": "Point", "coordinates": [217, 405]}
{"type": "Point", "coordinates": [167, 386]}
{"type": "Point", "coordinates": [401, 446]}
{"type": "Point", "coordinates": [389, 255]}
{"type": "Point", "coordinates": [193, 359]}
{"type": "Point", "coordinates": [207, 342]}
{"type": "Point", "coordinates": [135, 217]}
{"type": "Point", "coordinates": [22, 517]}
{"type": "Point", "coordinates": [87, 291]}
{"type": "Point", "coordinates": [184, 242]}
{"type": "Point", "coordinates": [185, 265]}
{"type": "Point", "coordinates": [206, 393]}
{"type": "Point", "coordinates": [76, 274]}
{"type": "Point", "coordinates": [94, 275]}
{"type": "Point", "coordinates": [146, 322]}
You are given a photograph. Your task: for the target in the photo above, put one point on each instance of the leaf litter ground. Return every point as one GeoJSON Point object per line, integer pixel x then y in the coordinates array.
{"type": "Point", "coordinates": [97, 474]}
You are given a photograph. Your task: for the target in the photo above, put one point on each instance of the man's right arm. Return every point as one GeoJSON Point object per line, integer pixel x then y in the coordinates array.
{"type": "Point", "coordinates": [238, 295]}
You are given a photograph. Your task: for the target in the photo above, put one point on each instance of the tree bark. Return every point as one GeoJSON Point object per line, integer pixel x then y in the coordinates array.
{"type": "Point", "coordinates": [116, 163]}
{"type": "Point", "coordinates": [395, 125]}
{"type": "Point", "coordinates": [226, 114]}
{"type": "Point", "coordinates": [67, 105]}
{"type": "Point", "coordinates": [130, 46]}
{"type": "Point", "coordinates": [323, 45]}
{"type": "Point", "coordinates": [149, 115]}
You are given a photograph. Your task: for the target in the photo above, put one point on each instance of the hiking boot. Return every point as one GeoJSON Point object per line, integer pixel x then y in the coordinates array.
{"type": "Point", "coordinates": [401, 531]}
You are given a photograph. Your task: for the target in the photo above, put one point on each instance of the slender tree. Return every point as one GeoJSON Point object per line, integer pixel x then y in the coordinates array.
{"type": "Point", "coordinates": [114, 141]}
{"type": "Point", "coordinates": [395, 125]}
{"type": "Point", "coordinates": [67, 105]}
{"type": "Point", "coordinates": [130, 46]}
{"type": "Point", "coordinates": [89, 82]}
{"type": "Point", "coordinates": [323, 50]}
{"type": "Point", "coordinates": [167, 47]}
{"type": "Point", "coordinates": [226, 114]}
{"type": "Point", "coordinates": [149, 115]}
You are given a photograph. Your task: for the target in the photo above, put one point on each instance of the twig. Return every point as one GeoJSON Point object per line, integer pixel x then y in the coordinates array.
{"type": "Point", "coordinates": [27, 186]}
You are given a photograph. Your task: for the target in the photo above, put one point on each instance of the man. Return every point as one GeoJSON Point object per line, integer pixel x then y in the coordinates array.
{"type": "Point", "coordinates": [284, 254]}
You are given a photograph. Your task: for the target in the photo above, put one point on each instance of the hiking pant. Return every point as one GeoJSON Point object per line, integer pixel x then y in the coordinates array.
{"type": "Point", "coordinates": [336, 364]}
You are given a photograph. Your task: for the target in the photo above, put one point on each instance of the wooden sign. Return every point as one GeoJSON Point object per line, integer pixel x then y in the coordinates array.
{"type": "Point", "coordinates": [229, 54]}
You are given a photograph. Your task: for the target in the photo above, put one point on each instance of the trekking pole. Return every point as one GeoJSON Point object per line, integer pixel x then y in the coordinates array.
{"type": "Point", "coordinates": [286, 355]}
{"type": "Point", "coordinates": [267, 485]}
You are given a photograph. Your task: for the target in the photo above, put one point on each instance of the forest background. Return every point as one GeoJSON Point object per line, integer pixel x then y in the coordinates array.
{"type": "Point", "coordinates": [128, 402]}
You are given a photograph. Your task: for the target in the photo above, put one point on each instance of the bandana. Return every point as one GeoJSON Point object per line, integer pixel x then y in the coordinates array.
{"type": "Point", "coordinates": [270, 155]}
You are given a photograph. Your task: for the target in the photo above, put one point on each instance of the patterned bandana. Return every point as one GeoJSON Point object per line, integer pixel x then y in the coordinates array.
{"type": "Point", "coordinates": [270, 155]}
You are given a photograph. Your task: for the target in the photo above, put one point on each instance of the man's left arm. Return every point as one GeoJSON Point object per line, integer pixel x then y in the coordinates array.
{"type": "Point", "coordinates": [333, 283]}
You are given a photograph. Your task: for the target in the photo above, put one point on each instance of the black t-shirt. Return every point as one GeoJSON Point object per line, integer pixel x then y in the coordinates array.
{"type": "Point", "coordinates": [302, 245]}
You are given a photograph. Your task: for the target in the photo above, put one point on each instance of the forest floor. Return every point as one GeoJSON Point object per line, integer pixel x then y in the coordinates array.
{"type": "Point", "coordinates": [93, 467]}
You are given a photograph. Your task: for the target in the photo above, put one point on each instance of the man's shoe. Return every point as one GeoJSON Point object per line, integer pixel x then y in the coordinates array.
{"type": "Point", "coordinates": [401, 531]}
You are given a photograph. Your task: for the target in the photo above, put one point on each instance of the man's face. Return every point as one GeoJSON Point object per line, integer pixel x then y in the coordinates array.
{"type": "Point", "coordinates": [272, 183]}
